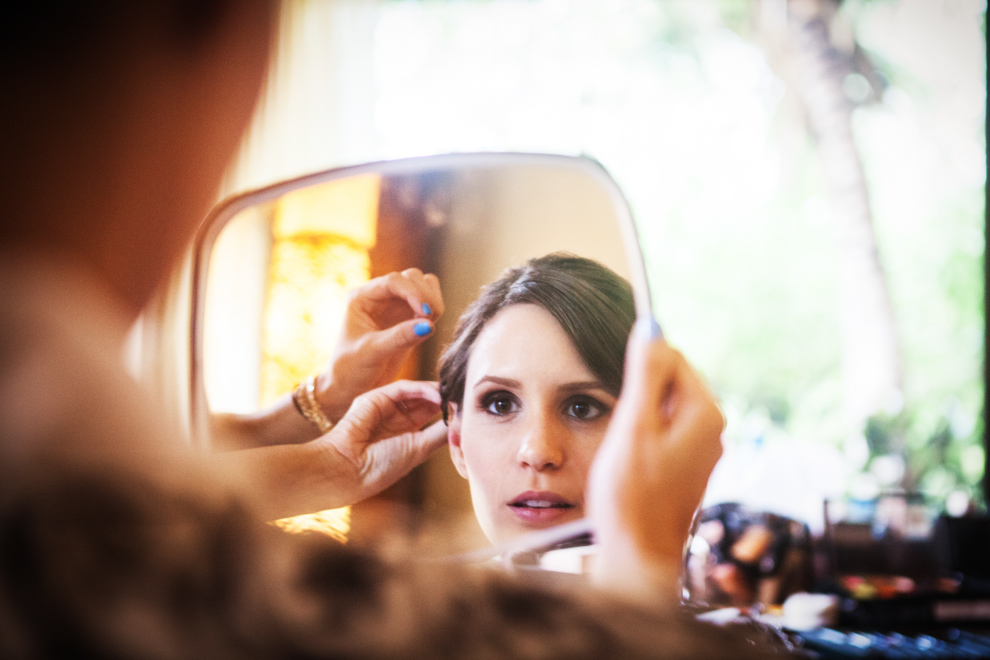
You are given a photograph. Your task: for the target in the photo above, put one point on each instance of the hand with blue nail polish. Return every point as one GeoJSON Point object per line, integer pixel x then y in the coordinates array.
{"type": "Point", "coordinates": [386, 318]}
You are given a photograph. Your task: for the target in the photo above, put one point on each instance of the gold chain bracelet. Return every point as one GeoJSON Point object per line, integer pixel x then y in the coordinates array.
{"type": "Point", "coordinates": [304, 396]}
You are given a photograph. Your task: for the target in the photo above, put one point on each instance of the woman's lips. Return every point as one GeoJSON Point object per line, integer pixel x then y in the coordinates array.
{"type": "Point", "coordinates": [540, 507]}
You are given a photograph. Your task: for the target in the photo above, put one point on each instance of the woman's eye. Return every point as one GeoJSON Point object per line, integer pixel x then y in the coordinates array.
{"type": "Point", "coordinates": [500, 403]}
{"type": "Point", "coordinates": [585, 409]}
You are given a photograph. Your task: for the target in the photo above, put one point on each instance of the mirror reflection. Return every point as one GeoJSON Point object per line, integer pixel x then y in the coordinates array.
{"type": "Point", "coordinates": [278, 268]}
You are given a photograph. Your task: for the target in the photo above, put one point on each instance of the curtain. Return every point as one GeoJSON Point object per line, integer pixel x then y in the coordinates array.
{"type": "Point", "coordinates": [317, 110]}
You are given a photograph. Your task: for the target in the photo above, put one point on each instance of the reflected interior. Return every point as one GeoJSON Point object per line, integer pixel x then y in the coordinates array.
{"type": "Point", "coordinates": [280, 270]}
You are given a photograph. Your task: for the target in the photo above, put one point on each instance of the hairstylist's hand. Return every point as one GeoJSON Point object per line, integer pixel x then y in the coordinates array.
{"type": "Point", "coordinates": [651, 471]}
{"type": "Point", "coordinates": [379, 440]}
{"type": "Point", "coordinates": [386, 318]}
{"type": "Point", "coordinates": [376, 443]}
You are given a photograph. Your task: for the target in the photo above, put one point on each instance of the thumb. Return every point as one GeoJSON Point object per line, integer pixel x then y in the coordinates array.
{"type": "Point", "coordinates": [359, 423]}
{"type": "Point", "coordinates": [427, 441]}
{"type": "Point", "coordinates": [401, 453]}
{"type": "Point", "coordinates": [649, 373]}
{"type": "Point", "coordinates": [405, 335]}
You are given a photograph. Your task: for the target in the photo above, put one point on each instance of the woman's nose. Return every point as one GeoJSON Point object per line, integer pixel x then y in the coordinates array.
{"type": "Point", "coordinates": [541, 448]}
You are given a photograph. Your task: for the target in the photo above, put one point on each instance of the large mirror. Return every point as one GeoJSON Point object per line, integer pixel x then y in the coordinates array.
{"type": "Point", "coordinates": [273, 267]}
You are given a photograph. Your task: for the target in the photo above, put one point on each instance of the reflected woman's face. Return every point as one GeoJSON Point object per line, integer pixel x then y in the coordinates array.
{"type": "Point", "coordinates": [532, 418]}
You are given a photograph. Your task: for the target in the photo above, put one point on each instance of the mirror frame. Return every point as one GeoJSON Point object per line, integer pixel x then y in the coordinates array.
{"type": "Point", "coordinates": [227, 209]}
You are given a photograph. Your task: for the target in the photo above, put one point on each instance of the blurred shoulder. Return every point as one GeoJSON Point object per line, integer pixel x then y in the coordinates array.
{"type": "Point", "coordinates": [63, 383]}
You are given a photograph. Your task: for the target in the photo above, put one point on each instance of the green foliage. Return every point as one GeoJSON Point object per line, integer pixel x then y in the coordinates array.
{"type": "Point", "coordinates": [784, 354]}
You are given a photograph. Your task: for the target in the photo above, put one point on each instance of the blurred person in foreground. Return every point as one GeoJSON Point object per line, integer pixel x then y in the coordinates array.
{"type": "Point", "coordinates": [116, 540]}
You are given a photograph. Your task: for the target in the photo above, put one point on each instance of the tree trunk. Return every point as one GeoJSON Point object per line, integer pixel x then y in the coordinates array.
{"type": "Point", "coordinates": [815, 68]}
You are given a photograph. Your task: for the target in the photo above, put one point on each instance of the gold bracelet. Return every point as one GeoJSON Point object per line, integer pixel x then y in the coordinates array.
{"type": "Point", "coordinates": [304, 396]}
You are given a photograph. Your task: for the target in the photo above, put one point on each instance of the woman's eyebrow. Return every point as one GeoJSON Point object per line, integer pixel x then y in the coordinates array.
{"type": "Point", "coordinates": [581, 386]}
{"type": "Point", "coordinates": [498, 380]}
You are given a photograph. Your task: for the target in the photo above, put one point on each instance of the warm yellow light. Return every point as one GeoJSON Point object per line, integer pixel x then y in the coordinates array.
{"type": "Point", "coordinates": [333, 522]}
{"type": "Point", "coordinates": [346, 208]}
{"type": "Point", "coordinates": [307, 299]}
{"type": "Point", "coordinates": [321, 238]}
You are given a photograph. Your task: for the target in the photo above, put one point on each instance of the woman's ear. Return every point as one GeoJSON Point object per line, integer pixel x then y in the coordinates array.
{"type": "Point", "coordinates": [454, 440]}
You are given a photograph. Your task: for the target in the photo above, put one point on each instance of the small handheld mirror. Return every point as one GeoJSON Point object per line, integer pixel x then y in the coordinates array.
{"type": "Point", "coordinates": [273, 267]}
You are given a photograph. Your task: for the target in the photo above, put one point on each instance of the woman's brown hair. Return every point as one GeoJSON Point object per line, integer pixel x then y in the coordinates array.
{"type": "Point", "coordinates": [591, 303]}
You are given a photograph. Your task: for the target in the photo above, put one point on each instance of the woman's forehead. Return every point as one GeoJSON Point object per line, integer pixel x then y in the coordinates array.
{"type": "Point", "coordinates": [524, 342]}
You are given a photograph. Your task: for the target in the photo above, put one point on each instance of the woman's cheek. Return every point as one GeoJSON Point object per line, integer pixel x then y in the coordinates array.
{"type": "Point", "coordinates": [478, 445]}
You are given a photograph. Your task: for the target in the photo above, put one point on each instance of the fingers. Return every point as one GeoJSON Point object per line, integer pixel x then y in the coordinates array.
{"type": "Point", "coordinates": [658, 377]}
{"type": "Point", "coordinates": [404, 405]}
{"type": "Point", "coordinates": [665, 400]}
{"type": "Point", "coordinates": [433, 294]}
{"type": "Point", "coordinates": [403, 335]}
{"type": "Point", "coordinates": [420, 291]}
{"type": "Point", "coordinates": [393, 456]}
{"type": "Point", "coordinates": [406, 393]}
{"type": "Point", "coordinates": [431, 438]}
{"type": "Point", "coordinates": [650, 372]}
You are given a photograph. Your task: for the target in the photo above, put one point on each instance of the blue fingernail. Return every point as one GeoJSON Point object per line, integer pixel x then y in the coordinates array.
{"type": "Point", "coordinates": [655, 331]}
{"type": "Point", "coordinates": [650, 327]}
{"type": "Point", "coordinates": [427, 309]}
{"type": "Point", "coordinates": [422, 329]}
